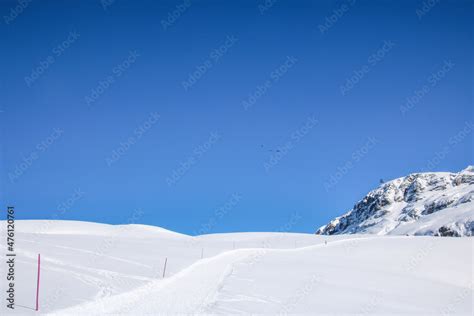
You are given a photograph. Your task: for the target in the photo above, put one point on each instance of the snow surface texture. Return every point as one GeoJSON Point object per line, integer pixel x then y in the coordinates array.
{"type": "Point", "coordinates": [97, 269]}
{"type": "Point", "coordinates": [437, 204]}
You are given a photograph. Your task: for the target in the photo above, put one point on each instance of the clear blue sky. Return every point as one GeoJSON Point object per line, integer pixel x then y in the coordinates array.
{"type": "Point", "coordinates": [279, 78]}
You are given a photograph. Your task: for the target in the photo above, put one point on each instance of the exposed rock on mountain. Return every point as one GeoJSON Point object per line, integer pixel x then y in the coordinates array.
{"type": "Point", "coordinates": [438, 204]}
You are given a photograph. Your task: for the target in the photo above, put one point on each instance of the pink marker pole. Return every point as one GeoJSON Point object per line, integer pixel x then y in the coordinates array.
{"type": "Point", "coordinates": [38, 283]}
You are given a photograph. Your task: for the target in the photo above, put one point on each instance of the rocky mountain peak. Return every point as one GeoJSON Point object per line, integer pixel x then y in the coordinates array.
{"type": "Point", "coordinates": [438, 203]}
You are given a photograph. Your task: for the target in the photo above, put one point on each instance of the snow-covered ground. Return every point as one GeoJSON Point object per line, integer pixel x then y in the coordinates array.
{"type": "Point", "coordinates": [97, 269]}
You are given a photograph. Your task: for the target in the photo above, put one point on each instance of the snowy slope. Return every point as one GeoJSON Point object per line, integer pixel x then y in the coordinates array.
{"type": "Point", "coordinates": [96, 269]}
{"type": "Point", "coordinates": [85, 261]}
{"type": "Point", "coordinates": [439, 204]}
{"type": "Point", "coordinates": [380, 279]}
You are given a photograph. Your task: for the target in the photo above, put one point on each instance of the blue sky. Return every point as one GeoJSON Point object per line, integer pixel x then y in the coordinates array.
{"type": "Point", "coordinates": [217, 116]}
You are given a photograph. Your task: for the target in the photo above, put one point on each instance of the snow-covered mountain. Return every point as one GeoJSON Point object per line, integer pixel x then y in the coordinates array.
{"type": "Point", "coordinates": [438, 204]}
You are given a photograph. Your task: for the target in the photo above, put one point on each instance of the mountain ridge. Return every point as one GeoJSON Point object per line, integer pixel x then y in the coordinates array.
{"type": "Point", "coordinates": [429, 203]}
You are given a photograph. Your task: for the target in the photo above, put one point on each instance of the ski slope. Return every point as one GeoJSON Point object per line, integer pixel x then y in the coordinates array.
{"type": "Point", "coordinates": [97, 269]}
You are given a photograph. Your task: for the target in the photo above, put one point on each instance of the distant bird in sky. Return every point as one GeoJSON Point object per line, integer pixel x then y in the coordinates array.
{"type": "Point", "coordinates": [272, 150]}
